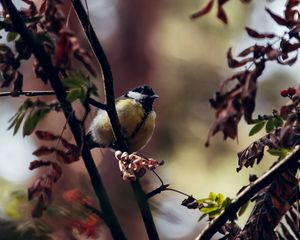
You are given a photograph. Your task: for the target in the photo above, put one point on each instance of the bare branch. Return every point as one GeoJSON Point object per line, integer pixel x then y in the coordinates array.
{"type": "Point", "coordinates": [27, 93]}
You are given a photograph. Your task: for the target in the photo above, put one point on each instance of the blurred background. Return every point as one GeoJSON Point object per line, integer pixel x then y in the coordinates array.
{"type": "Point", "coordinates": [184, 61]}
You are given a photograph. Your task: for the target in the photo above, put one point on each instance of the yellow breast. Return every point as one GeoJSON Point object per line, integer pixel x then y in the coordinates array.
{"type": "Point", "coordinates": [131, 114]}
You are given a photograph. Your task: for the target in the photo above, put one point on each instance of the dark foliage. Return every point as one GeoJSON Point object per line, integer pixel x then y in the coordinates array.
{"type": "Point", "coordinates": [41, 190]}
{"type": "Point", "coordinates": [221, 14]}
{"type": "Point", "coordinates": [233, 103]}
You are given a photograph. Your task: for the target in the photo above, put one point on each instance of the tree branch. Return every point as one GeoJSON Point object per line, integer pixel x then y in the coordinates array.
{"type": "Point", "coordinates": [248, 193]}
{"type": "Point", "coordinates": [53, 76]}
{"type": "Point", "coordinates": [91, 101]}
{"type": "Point", "coordinates": [112, 113]}
{"type": "Point", "coordinates": [27, 93]}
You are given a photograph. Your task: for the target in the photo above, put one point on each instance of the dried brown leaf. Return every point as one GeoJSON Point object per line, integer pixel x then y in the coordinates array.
{"type": "Point", "coordinates": [206, 9]}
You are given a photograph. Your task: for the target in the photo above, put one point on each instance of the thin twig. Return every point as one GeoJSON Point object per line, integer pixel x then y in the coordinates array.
{"type": "Point", "coordinates": [96, 104]}
{"type": "Point", "coordinates": [112, 113]}
{"type": "Point", "coordinates": [157, 190]}
{"type": "Point", "coordinates": [177, 191]}
{"type": "Point", "coordinates": [27, 93]}
{"type": "Point", "coordinates": [91, 101]}
{"type": "Point", "coordinates": [159, 178]}
{"type": "Point", "coordinates": [248, 193]}
{"type": "Point", "coordinates": [45, 61]}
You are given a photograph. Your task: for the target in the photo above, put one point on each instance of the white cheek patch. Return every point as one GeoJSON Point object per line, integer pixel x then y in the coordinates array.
{"type": "Point", "coordinates": [136, 95]}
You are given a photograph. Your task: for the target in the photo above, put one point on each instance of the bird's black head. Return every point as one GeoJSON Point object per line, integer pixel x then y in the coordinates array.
{"type": "Point", "coordinates": [143, 94]}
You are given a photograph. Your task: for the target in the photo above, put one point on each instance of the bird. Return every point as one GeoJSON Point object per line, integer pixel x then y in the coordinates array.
{"type": "Point", "coordinates": [136, 117]}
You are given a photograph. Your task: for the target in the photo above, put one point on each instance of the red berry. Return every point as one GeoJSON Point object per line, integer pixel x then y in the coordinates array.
{"type": "Point", "coordinates": [291, 91]}
{"type": "Point", "coordinates": [284, 93]}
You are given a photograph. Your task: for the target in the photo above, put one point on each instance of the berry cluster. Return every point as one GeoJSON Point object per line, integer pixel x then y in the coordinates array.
{"type": "Point", "coordinates": [133, 165]}
{"type": "Point", "coordinates": [288, 92]}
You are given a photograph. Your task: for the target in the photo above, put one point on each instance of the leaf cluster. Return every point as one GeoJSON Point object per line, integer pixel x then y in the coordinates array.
{"type": "Point", "coordinates": [211, 206]}
{"type": "Point", "coordinates": [221, 14]}
{"type": "Point", "coordinates": [231, 103]}
{"type": "Point", "coordinates": [41, 190]}
{"type": "Point", "coordinates": [269, 122]}
{"type": "Point", "coordinates": [31, 113]}
{"type": "Point", "coordinates": [79, 87]}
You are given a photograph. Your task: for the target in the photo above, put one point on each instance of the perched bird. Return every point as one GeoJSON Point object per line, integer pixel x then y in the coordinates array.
{"type": "Point", "coordinates": [137, 120]}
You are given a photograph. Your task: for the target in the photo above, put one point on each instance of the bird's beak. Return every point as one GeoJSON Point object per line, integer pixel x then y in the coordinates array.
{"type": "Point", "coordinates": [155, 96]}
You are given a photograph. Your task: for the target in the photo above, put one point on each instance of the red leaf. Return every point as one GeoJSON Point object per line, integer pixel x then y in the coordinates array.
{"type": "Point", "coordinates": [206, 9]}
{"type": "Point", "coordinates": [287, 47]}
{"type": "Point", "coordinates": [47, 136]}
{"type": "Point", "coordinates": [66, 157]}
{"type": "Point", "coordinates": [42, 184]}
{"type": "Point", "coordinates": [222, 2]}
{"type": "Point", "coordinates": [43, 150]}
{"type": "Point", "coordinates": [240, 76]}
{"type": "Point", "coordinates": [289, 62]}
{"type": "Point", "coordinates": [38, 163]}
{"type": "Point", "coordinates": [56, 171]}
{"type": "Point", "coordinates": [255, 34]}
{"type": "Point", "coordinates": [43, 6]}
{"type": "Point", "coordinates": [72, 195]}
{"type": "Point", "coordinates": [39, 207]}
{"type": "Point", "coordinates": [233, 63]}
{"type": "Point", "coordinates": [279, 20]}
{"type": "Point", "coordinates": [69, 146]}
{"type": "Point", "coordinates": [63, 46]}
{"type": "Point", "coordinates": [222, 15]}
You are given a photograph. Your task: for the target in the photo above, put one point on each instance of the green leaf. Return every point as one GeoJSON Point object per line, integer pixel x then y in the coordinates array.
{"type": "Point", "coordinates": [279, 152]}
{"type": "Point", "coordinates": [257, 120]}
{"type": "Point", "coordinates": [270, 125]}
{"type": "Point", "coordinates": [212, 196]}
{"type": "Point", "coordinates": [16, 200]}
{"type": "Point", "coordinates": [208, 209]}
{"type": "Point", "coordinates": [243, 208]}
{"type": "Point", "coordinates": [202, 216]}
{"type": "Point", "coordinates": [13, 120]}
{"type": "Point", "coordinates": [76, 80]}
{"type": "Point", "coordinates": [219, 198]}
{"type": "Point", "coordinates": [278, 121]}
{"type": "Point", "coordinates": [94, 90]}
{"type": "Point", "coordinates": [256, 128]}
{"type": "Point", "coordinates": [32, 120]}
{"type": "Point", "coordinates": [18, 123]}
{"type": "Point", "coordinates": [11, 36]}
{"type": "Point", "coordinates": [78, 93]}
{"type": "Point", "coordinates": [202, 200]}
